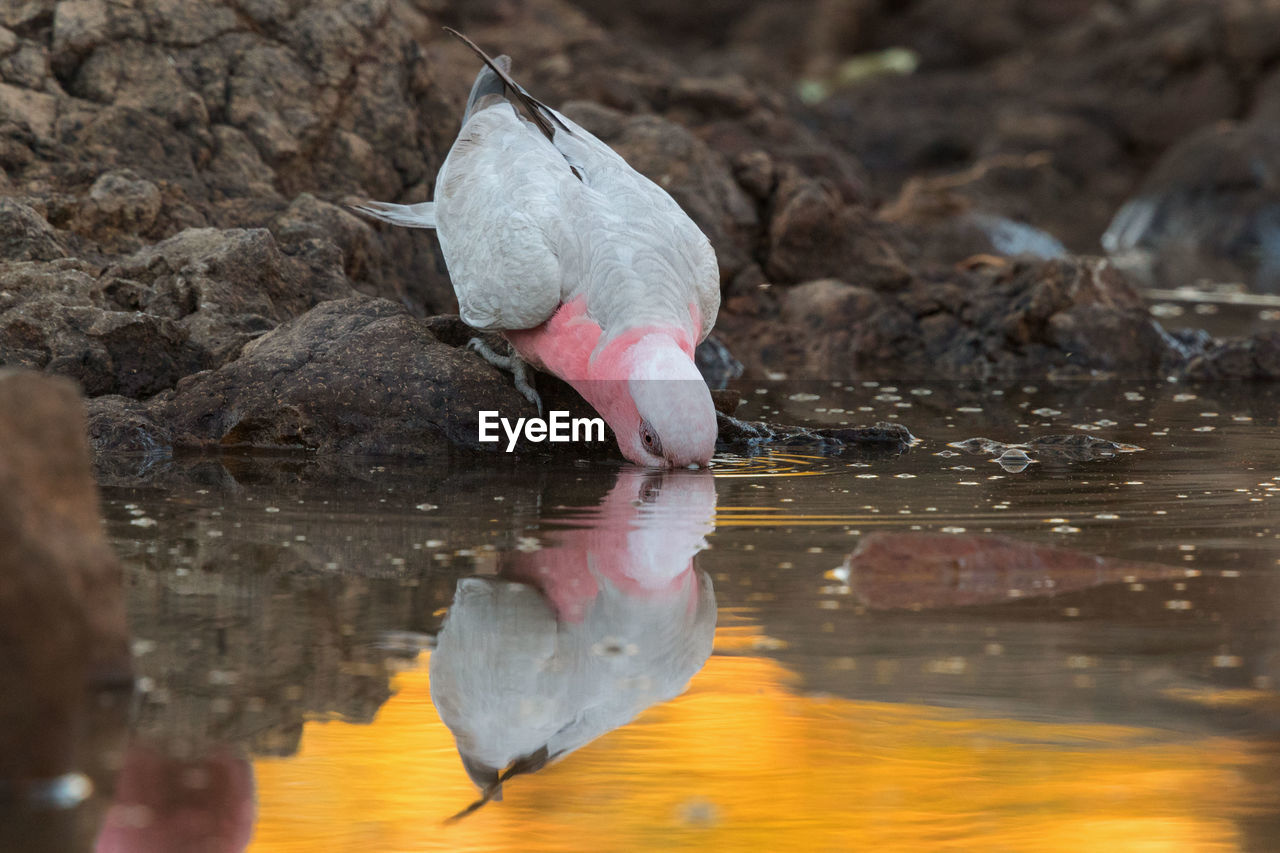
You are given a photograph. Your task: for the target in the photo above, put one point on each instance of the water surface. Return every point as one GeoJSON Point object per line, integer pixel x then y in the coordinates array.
{"type": "Point", "coordinates": [790, 651]}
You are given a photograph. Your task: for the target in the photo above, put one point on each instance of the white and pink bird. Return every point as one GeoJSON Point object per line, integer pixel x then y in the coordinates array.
{"type": "Point", "coordinates": [590, 270]}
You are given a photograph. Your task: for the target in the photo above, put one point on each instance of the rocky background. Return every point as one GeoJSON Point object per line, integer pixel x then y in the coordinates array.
{"type": "Point", "coordinates": [894, 189]}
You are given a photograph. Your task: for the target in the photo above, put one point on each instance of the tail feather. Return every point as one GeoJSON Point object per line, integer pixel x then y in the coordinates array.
{"type": "Point", "coordinates": [540, 113]}
{"type": "Point", "coordinates": [407, 215]}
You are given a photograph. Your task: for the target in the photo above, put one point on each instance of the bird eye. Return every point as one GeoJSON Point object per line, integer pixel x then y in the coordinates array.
{"type": "Point", "coordinates": [649, 439]}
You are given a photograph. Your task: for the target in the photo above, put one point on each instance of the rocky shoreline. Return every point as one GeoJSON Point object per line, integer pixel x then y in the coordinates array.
{"type": "Point", "coordinates": [173, 236]}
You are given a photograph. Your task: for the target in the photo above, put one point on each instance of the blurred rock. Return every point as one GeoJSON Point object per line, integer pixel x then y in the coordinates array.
{"type": "Point", "coordinates": [25, 235]}
{"type": "Point", "coordinates": [1256, 357]}
{"type": "Point", "coordinates": [62, 619]}
{"type": "Point", "coordinates": [927, 571]}
{"type": "Point", "coordinates": [1209, 210]}
{"type": "Point", "coordinates": [997, 320]}
{"type": "Point", "coordinates": [814, 234]}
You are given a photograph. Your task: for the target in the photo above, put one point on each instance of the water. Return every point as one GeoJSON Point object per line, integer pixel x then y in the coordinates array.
{"type": "Point", "coordinates": [819, 652]}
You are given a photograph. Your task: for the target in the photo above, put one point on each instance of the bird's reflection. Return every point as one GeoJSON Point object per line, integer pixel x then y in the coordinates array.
{"type": "Point", "coordinates": [573, 640]}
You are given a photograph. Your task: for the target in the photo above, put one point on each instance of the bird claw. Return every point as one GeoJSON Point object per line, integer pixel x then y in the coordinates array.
{"type": "Point", "coordinates": [513, 364]}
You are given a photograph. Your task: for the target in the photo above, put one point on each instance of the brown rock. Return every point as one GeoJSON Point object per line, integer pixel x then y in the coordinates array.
{"type": "Point", "coordinates": [356, 375]}
{"type": "Point", "coordinates": [814, 234]}
{"type": "Point", "coordinates": [62, 615]}
{"type": "Point", "coordinates": [25, 235]}
{"type": "Point", "coordinates": [927, 571]}
{"type": "Point", "coordinates": [1256, 357]}
{"type": "Point", "coordinates": [59, 318]}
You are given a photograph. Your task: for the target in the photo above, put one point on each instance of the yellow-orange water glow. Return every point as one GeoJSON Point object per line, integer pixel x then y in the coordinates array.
{"type": "Point", "coordinates": [742, 761]}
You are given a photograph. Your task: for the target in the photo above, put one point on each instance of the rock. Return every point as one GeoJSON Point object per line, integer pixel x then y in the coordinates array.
{"type": "Point", "coordinates": [1209, 209]}
{"type": "Point", "coordinates": [59, 318]}
{"type": "Point", "coordinates": [928, 571]}
{"type": "Point", "coordinates": [1003, 320]}
{"type": "Point", "coordinates": [882, 439]}
{"type": "Point", "coordinates": [25, 235]}
{"type": "Point", "coordinates": [716, 364]}
{"type": "Point", "coordinates": [1070, 447]}
{"type": "Point", "coordinates": [225, 288]}
{"type": "Point", "coordinates": [61, 592]}
{"type": "Point", "coordinates": [357, 375]}
{"type": "Point", "coordinates": [120, 200]}
{"type": "Point", "coordinates": [814, 234]}
{"type": "Point", "coordinates": [1256, 357]}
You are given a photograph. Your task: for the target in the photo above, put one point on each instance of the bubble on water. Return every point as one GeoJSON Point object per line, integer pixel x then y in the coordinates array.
{"type": "Point", "coordinates": [1177, 604]}
{"type": "Point", "coordinates": [1183, 398]}
{"type": "Point", "coordinates": [144, 522]}
{"type": "Point", "coordinates": [1013, 460]}
{"type": "Point", "coordinates": [271, 509]}
{"type": "Point", "coordinates": [1045, 412]}
{"type": "Point", "coordinates": [1065, 528]}
{"type": "Point", "coordinates": [1227, 661]}
{"type": "Point", "coordinates": [904, 476]}
{"type": "Point", "coordinates": [426, 507]}
{"type": "Point", "coordinates": [1106, 516]}
{"type": "Point", "coordinates": [803, 397]}
{"type": "Point", "coordinates": [947, 666]}
{"type": "Point", "coordinates": [1203, 429]}
{"type": "Point", "coordinates": [969, 410]}
{"type": "Point", "coordinates": [952, 529]}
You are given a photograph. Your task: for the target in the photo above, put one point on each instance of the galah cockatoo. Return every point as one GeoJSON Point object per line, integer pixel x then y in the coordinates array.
{"type": "Point", "coordinates": [590, 270]}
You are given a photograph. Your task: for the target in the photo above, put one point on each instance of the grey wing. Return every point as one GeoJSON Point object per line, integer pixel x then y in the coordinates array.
{"type": "Point", "coordinates": [499, 216]}
{"type": "Point", "coordinates": [684, 270]}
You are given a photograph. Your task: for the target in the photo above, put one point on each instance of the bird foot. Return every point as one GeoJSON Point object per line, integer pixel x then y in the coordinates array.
{"type": "Point", "coordinates": [514, 364]}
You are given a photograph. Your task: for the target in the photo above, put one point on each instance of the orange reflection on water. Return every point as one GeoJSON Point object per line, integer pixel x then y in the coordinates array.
{"type": "Point", "coordinates": [741, 761]}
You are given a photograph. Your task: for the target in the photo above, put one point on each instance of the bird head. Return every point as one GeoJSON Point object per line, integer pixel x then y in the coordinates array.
{"type": "Point", "coordinates": [662, 412]}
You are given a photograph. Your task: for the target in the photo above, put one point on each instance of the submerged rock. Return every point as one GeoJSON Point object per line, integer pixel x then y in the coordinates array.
{"type": "Point", "coordinates": [884, 437]}
{"type": "Point", "coordinates": [61, 592]}
{"type": "Point", "coordinates": [1072, 447]}
{"type": "Point", "coordinates": [926, 571]}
